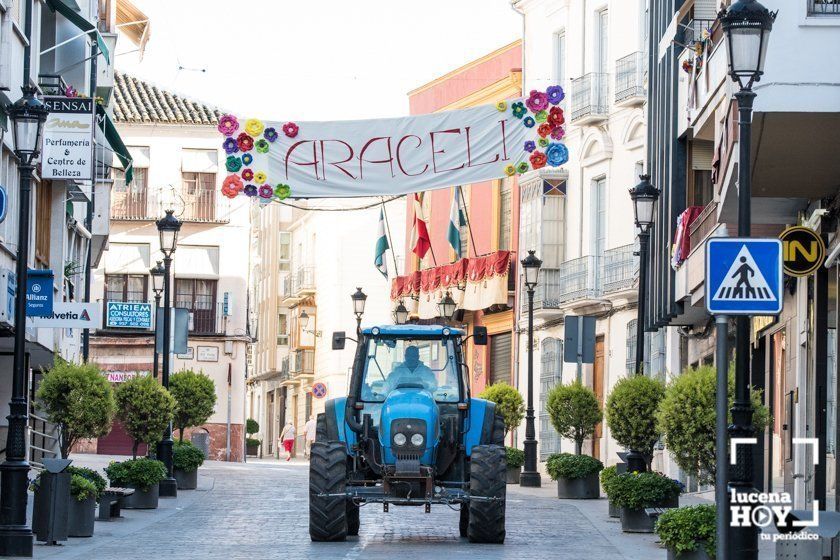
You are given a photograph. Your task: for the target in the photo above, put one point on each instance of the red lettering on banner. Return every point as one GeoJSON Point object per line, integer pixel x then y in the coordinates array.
{"type": "Point", "coordinates": [504, 140]}
{"type": "Point", "coordinates": [469, 152]}
{"type": "Point", "coordinates": [434, 160]}
{"type": "Point", "coordinates": [399, 161]}
{"type": "Point", "coordinates": [314, 163]}
{"type": "Point", "coordinates": [389, 160]}
{"type": "Point", "coordinates": [336, 164]}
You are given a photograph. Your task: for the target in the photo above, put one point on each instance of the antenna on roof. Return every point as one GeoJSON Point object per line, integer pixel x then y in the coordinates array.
{"type": "Point", "coordinates": [190, 69]}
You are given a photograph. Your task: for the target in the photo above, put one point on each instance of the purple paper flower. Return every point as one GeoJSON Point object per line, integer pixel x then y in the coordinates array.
{"type": "Point", "coordinates": [250, 190]}
{"type": "Point", "coordinates": [558, 133]}
{"type": "Point", "coordinates": [555, 94]}
{"type": "Point", "coordinates": [270, 134]}
{"type": "Point", "coordinates": [228, 125]}
{"type": "Point", "coordinates": [537, 101]}
{"type": "Point", "coordinates": [230, 146]}
{"type": "Point", "coordinates": [530, 146]}
{"type": "Point", "coordinates": [266, 191]}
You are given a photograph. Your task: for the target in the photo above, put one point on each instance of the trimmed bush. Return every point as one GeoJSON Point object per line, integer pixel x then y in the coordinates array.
{"type": "Point", "coordinates": [145, 408]}
{"type": "Point", "coordinates": [631, 412]}
{"type": "Point", "coordinates": [515, 457]}
{"type": "Point", "coordinates": [81, 488]}
{"type": "Point", "coordinates": [574, 412]}
{"type": "Point", "coordinates": [509, 403]}
{"type": "Point", "coordinates": [252, 442]}
{"type": "Point", "coordinates": [251, 426]}
{"type": "Point", "coordinates": [186, 456]}
{"type": "Point", "coordinates": [687, 419]}
{"type": "Point", "coordinates": [686, 529]}
{"type": "Point", "coordinates": [195, 399]}
{"type": "Point", "coordinates": [608, 475]}
{"type": "Point", "coordinates": [91, 475]}
{"type": "Point", "coordinates": [568, 466]}
{"type": "Point", "coordinates": [79, 400]}
{"type": "Point", "coordinates": [642, 490]}
{"type": "Point", "coordinates": [139, 473]}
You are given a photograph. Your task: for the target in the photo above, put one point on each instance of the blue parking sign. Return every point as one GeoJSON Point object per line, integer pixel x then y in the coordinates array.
{"type": "Point", "coordinates": [744, 276]}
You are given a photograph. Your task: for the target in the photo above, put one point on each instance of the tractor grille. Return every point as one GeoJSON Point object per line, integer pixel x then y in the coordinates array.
{"type": "Point", "coordinates": [408, 464]}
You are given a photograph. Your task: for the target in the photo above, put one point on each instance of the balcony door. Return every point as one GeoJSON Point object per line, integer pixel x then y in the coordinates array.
{"type": "Point", "coordinates": [199, 297]}
{"type": "Point", "coordinates": [601, 41]}
{"type": "Point", "coordinates": [599, 225]}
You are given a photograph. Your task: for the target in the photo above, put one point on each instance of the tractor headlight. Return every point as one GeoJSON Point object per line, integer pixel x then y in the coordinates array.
{"type": "Point", "coordinates": [417, 440]}
{"type": "Point", "coordinates": [400, 439]}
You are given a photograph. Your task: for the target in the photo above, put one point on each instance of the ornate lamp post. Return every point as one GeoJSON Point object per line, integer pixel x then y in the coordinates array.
{"type": "Point", "coordinates": [28, 115]}
{"type": "Point", "coordinates": [359, 298]}
{"type": "Point", "coordinates": [157, 272]}
{"type": "Point", "coordinates": [747, 25]}
{"type": "Point", "coordinates": [401, 314]}
{"type": "Point", "coordinates": [168, 227]}
{"type": "Point", "coordinates": [304, 322]}
{"type": "Point", "coordinates": [447, 306]}
{"type": "Point", "coordinates": [530, 476]}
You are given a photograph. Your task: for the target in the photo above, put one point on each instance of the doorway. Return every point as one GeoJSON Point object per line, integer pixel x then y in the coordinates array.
{"type": "Point", "coordinates": [598, 387]}
{"type": "Point", "coordinates": [269, 420]}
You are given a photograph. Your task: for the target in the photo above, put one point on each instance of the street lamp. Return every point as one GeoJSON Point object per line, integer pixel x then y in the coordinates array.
{"type": "Point", "coordinates": [157, 272]}
{"type": "Point", "coordinates": [446, 306]}
{"type": "Point", "coordinates": [747, 25]}
{"type": "Point", "coordinates": [304, 322]}
{"type": "Point", "coordinates": [359, 298]}
{"type": "Point", "coordinates": [530, 476]}
{"type": "Point", "coordinates": [28, 115]}
{"type": "Point", "coordinates": [401, 314]}
{"type": "Point", "coordinates": [168, 228]}
{"type": "Point", "coordinates": [644, 197]}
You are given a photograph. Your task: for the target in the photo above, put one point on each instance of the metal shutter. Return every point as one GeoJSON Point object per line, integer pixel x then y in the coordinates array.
{"type": "Point", "coordinates": [702, 153]}
{"type": "Point", "coordinates": [500, 356]}
{"type": "Point", "coordinates": [551, 374]}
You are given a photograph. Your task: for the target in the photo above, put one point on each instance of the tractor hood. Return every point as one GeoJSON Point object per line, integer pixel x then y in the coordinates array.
{"type": "Point", "coordinates": [408, 412]}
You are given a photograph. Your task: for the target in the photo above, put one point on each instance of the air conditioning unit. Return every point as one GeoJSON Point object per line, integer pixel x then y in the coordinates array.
{"type": "Point", "coordinates": [8, 289]}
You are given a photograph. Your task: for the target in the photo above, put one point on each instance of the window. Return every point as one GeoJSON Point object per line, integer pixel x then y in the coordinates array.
{"type": "Point", "coordinates": [126, 287]}
{"type": "Point", "coordinates": [198, 191]}
{"type": "Point", "coordinates": [500, 359]}
{"type": "Point", "coordinates": [43, 212]}
{"type": "Point", "coordinates": [505, 215]}
{"type": "Point", "coordinates": [601, 44]}
{"type": "Point", "coordinates": [283, 329]}
{"type": "Point", "coordinates": [551, 374]}
{"type": "Point", "coordinates": [599, 209]}
{"type": "Point", "coordinates": [199, 297]}
{"type": "Point", "coordinates": [284, 253]}
{"type": "Point", "coordinates": [632, 327]}
{"type": "Point", "coordinates": [131, 202]}
{"type": "Point", "coordinates": [823, 7]}
{"type": "Point", "coordinates": [560, 57]}
{"type": "Point", "coordinates": [543, 222]}
{"type": "Point", "coordinates": [700, 175]}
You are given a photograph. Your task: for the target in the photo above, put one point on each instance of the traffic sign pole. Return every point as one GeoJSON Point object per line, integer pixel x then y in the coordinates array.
{"type": "Point", "coordinates": [721, 458]}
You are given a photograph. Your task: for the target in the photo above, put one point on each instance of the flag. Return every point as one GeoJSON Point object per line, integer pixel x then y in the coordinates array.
{"type": "Point", "coordinates": [381, 246]}
{"type": "Point", "coordinates": [456, 220]}
{"type": "Point", "coordinates": [420, 233]}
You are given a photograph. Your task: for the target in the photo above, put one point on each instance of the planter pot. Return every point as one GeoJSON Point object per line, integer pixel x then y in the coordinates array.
{"type": "Point", "coordinates": [142, 499]}
{"type": "Point", "coordinates": [586, 488]}
{"type": "Point", "coordinates": [80, 517]}
{"type": "Point", "coordinates": [513, 475]}
{"type": "Point", "coordinates": [252, 450]}
{"type": "Point", "coordinates": [187, 480]}
{"type": "Point", "coordinates": [698, 554]}
{"type": "Point", "coordinates": [636, 521]}
{"type": "Point", "coordinates": [671, 502]}
{"type": "Point", "coordinates": [615, 511]}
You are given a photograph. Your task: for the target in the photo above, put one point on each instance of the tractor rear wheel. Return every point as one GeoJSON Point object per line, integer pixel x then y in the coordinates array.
{"type": "Point", "coordinates": [464, 522]}
{"type": "Point", "coordinates": [327, 484]}
{"type": "Point", "coordinates": [487, 487]}
{"type": "Point", "coordinates": [353, 519]}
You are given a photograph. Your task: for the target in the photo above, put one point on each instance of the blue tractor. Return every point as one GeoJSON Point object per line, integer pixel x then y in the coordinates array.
{"type": "Point", "coordinates": [408, 434]}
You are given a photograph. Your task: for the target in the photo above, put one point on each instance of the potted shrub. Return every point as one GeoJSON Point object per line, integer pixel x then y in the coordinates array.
{"type": "Point", "coordinates": [78, 399]}
{"type": "Point", "coordinates": [86, 487]}
{"type": "Point", "coordinates": [145, 409]}
{"type": "Point", "coordinates": [608, 475]}
{"type": "Point", "coordinates": [633, 492]}
{"type": "Point", "coordinates": [576, 475]}
{"type": "Point", "coordinates": [252, 445]}
{"type": "Point", "coordinates": [688, 532]}
{"type": "Point", "coordinates": [631, 413]}
{"type": "Point", "coordinates": [186, 458]}
{"type": "Point", "coordinates": [195, 399]}
{"type": "Point", "coordinates": [143, 475]}
{"type": "Point", "coordinates": [515, 459]}
{"type": "Point", "coordinates": [574, 411]}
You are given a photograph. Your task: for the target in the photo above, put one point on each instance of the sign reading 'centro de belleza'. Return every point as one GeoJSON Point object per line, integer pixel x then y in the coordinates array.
{"type": "Point", "coordinates": [128, 315]}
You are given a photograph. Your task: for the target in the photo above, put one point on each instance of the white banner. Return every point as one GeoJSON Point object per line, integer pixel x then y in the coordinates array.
{"type": "Point", "coordinates": [275, 159]}
{"type": "Point", "coordinates": [70, 315]}
{"type": "Point", "coordinates": [67, 151]}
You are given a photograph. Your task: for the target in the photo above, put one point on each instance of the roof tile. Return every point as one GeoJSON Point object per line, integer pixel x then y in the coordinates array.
{"type": "Point", "coordinates": [136, 101]}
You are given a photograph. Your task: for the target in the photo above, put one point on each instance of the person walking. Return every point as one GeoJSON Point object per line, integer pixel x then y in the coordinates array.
{"type": "Point", "coordinates": [287, 438]}
{"type": "Point", "coordinates": [309, 431]}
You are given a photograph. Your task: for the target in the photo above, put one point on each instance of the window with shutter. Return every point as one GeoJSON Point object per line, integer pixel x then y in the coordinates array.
{"type": "Point", "coordinates": [500, 357]}
{"type": "Point", "coordinates": [551, 374]}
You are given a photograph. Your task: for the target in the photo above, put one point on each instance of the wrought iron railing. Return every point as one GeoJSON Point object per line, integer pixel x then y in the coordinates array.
{"type": "Point", "coordinates": [619, 268]}
{"type": "Point", "coordinates": [130, 204]}
{"type": "Point", "coordinates": [52, 84]}
{"type": "Point", "coordinates": [303, 362]}
{"type": "Point", "coordinates": [207, 317]}
{"type": "Point", "coordinates": [630, 77]}
{"type": "Point", "coordinates": [200, 206]}
{"type": "Point", "coordinates": [823, 7]}
{"type": "Point", "coordinates": [302, 279]}
{"type": "Point", "coordinates": [589, 95]}
{"type": "Point", "coordinates": [697, 30]}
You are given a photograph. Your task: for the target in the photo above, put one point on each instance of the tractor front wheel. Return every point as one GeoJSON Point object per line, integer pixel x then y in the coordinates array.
{"type": "Point", "coordinates": [327, 484]}
{"type": "Point", "coordinates": [487, 494]}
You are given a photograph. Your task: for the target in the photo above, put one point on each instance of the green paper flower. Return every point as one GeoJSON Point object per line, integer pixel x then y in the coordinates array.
{"type": "Point", "coordinates": [541, 117]}
{"type": "Point", "coordinates": [262, 146]}
{"type": "Point", "coordinates": [282, 191]}
{"type": "Point", "coordinates": [522, 167]}
{"type": "Point", "coordinates": [543, 142]}
{"type": "Point", "coordinates": [233, 164]}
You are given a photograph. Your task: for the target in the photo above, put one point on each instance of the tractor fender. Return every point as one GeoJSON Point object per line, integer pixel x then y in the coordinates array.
{"type": "Point", "coordinates": [480, 424]}
{"type": "Point", "coordinates": [337, 428]}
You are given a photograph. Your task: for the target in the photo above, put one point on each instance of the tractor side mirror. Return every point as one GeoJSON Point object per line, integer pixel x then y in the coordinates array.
{"type": "Point", "coordinates": [480, 336]}
{"type": "Point", "coordinates": [338, 340]}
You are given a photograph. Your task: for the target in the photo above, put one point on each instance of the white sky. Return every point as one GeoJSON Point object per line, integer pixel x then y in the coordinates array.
{"type": "Point", "coordinates": [316, 59]}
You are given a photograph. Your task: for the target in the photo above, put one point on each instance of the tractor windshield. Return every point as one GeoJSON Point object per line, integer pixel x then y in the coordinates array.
{"type": "Point", "coordinates": [394, 363]}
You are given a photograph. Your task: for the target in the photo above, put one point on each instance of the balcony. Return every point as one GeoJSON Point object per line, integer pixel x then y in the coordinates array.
{"type": "Point", "coordinates": [130, 204]}
{"type": "Point", "coordinates": [823, 7]}
{"type": "Point", "coordinates": [630, 80]}
{"type": "Point", "coordinates": [589, 98]}
{"type": "Point", "coordinates": [302, 362]}
{"type": "Point", "coordinates": [205, 318]}
{"type": "Point", "coordinates": [200, 205]}
{"type": "Point", "coordinates": [619, 269]}
{"type": "Point", "coordinates": [298, 285]}
{"type": "Point", "coordinates": [52, 84]}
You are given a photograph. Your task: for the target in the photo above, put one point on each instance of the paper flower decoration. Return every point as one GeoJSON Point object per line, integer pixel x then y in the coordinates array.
{"type": "Point", "coordinates": [230, 146]}
{"type": "Point", "coordinates": [518, 110]}
{"type": "Point", "coordinates": [245, 142]}
{"type": "Point", "coordinates": [529, 122]}
{"type": "Point", "coordinates": [541, 117]}
{"type": "Point", "coordinates": [522, 167]}
{"type": "Point", "coordinates": [544, 130]}
{"type": "Point", "coordinates": [510, 170]}
{"type": "Point", "coordinates": [530, 146]}
{"type": "Point", "coordinates": [250, 190]}
{"type": "Point", "coordinates": [282, 191]}
{"type": "Point", "coordinates": [230, 193]}
{"type": "Point", "coordinates": [262, 146]}
{"type": "Point", "coordinates": [254, 127]}
{"type": "Point", "coordinates": [231, 186]}
{"type": "Point", "coordinates": [556, 116]}
{"type": "Point", "coordinates": [247, 159]}
{"type": "Point", "coordinates": [555, 94]}
{"type": "Point", "coordinates": [270, 134]}
{"type": "Point", "coordinates": [233, 164]}
{"type": "Point", "coordinates": [556, 154]}
{"type": "Point", "coordinates": [266, 191]}
{"type": "Point", "coordinates": [228, 125]}
{"type": "Point", "coordinates": [537, 159]}
{"type": "Point", "coordinates": [290, 129]}
{"type": "Point", "coordinates": [558, 133]}
{"type": "Point", "coordinates": [543, 142]}
{"type": "Point", "coordinates": [537, 101]}
{"type": "Point", "coordinates": [260, 177]}
{"type": "Point", "coordinates": [247, 174]}
{"type": "Point", "coordinates": [501, 106]}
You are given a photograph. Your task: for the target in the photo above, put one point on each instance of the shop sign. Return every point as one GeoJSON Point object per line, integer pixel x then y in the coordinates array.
{"type": "Point", "coordinates": [4, 203]}
{"type": "Point", "coordinates": [122, 315]}
{"type": "Point", "coordinates": [70, 315]}
{"type": "Point", "coordinates": [67, 150]}
{"type": "Point", "coordinates": [803, 250]}
{"type": "Point", "coordinates": [207, 354]}
{"type": "Point", "coordinates": [123, 376]}
{"type": "Point", "coordinates": [39, 293]}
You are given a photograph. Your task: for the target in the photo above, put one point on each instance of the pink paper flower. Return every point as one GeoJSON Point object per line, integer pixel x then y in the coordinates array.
{"type": "Point", "coordinates": [290, 129]}
{"type": "Point", "coordinates": [228, 125]}
{"type": "Point", "coordinates": [537, 101]}
{"type": "Point", "coordinates": [558, 133]}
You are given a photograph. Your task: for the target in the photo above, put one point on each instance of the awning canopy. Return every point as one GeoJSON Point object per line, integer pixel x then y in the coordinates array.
{"type": "Point", "coordinates": [134, 23]}
{"type": "Point", "coordinates": [115, 141]}
{"type": "Point", "coordinates": [64, 8]}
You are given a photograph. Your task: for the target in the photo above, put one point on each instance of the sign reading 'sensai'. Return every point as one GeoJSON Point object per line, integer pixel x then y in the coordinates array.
{"type": "Point", "coordinates": [67, 151]}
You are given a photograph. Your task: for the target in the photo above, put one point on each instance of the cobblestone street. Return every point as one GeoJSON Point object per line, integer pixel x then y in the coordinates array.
{"type": "Point", "coordinates": [260, 510]}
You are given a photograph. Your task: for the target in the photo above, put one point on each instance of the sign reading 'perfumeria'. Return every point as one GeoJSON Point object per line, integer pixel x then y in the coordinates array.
{"type": "Point", "coordinates": [67, 150]}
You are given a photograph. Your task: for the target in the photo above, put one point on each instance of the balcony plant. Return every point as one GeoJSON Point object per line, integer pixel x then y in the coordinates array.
{"type": "Point", "coordinates": [145, 409]}
{"type": "Point", "coordinates": [252, 445]}
{"type": "Point", "coordinates": [186, 458]}
{"type": "Point", "coordinates": [195, 399]}
{"type": "Point", "coordinates": [78, 400]}
{"type": "Point", "coordinates": [143, 475]}
{"type": "Point", "coordinates": [631, 413]}
{"type": "Point", "coordinates": [515, 459]}
{"type": "Point", "coordinates": [633, 492]}
{"type": "Point", "coordinates": [576, 475]}
{"type": "Point", "coordinates": [688, 532]}
{"type": "Point", "coordinates": [608, 476]}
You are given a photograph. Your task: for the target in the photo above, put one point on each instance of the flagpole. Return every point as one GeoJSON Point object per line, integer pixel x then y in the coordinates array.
{"type": "Point", "coordinates": [467, 218]}
{"type": "Point", "coordinates": [390, 240]}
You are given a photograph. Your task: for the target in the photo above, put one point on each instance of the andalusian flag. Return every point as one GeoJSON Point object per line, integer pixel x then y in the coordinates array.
{"type": "Point", "coordinates": [456, 221]}
{"type": "Point", "coordinates": [381, 246]}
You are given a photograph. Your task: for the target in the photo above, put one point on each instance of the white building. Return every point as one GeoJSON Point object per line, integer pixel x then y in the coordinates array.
{"type": "Point", "coordinates": [579, 218]}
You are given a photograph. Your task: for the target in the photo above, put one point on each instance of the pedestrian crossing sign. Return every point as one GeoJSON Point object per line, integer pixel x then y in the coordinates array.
{"type": "Point", "coordinates": [744, 276]}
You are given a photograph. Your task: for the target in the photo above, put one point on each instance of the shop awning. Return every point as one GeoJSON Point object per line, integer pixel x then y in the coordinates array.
{"type": "Point", "coordinates": [65, 9]}
{"type": "Point", "coordinates": [115, 141]}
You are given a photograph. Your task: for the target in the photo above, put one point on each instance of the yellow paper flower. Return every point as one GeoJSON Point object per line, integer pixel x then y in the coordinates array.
{"type": "Point", "coordinates": [501, 106]}
{"type": "Point", "coordinates": [254, 127]}
{"type": "Point", "coordinates": [260, 177]}
{"type": "Point", "coordinates": [510, 170]}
